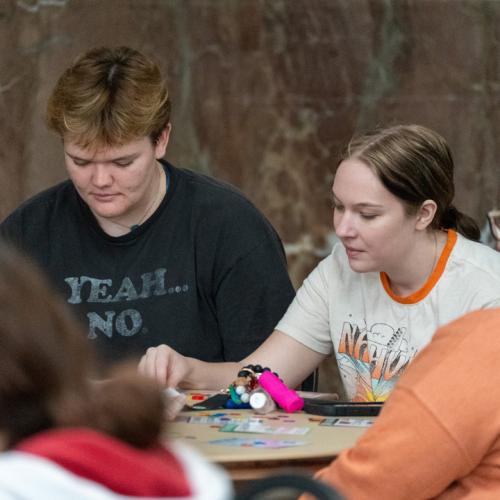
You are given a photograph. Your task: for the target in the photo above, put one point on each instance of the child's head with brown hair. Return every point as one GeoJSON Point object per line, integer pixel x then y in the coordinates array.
{"type": "Point", "coordinates": [46, 368]}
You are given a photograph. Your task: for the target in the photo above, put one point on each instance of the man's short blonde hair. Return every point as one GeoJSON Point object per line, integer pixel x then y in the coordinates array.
{"type": "Point", "coordinates": [109, 96]}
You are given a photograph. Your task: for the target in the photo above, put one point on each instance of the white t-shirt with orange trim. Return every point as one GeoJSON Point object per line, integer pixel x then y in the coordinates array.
{"type": "Point", "coordinates": [375, 333]}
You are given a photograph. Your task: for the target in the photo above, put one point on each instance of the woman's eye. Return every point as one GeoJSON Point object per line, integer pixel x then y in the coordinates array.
{"type": "Point", "coordinates": [369, 216]}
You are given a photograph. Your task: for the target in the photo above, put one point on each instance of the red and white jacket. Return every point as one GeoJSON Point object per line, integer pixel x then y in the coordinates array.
{"type": "Point", "coordinates": [74, 464]}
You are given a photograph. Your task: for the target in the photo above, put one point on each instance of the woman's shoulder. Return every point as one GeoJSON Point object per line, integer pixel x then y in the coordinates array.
{"type": "Point", "coordinates": [475, 256]}
{"type": "Point", "coordinates": [472, 275]}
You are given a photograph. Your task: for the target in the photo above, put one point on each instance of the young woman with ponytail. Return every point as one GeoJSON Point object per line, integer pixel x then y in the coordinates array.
{"type": "Point", "coordinates": [407, 263]}
{"type": "Point", "coordinates": [65, 435]}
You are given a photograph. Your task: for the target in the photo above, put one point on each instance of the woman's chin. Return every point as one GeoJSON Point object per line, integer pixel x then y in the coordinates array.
{"type": "Point", "coordinates": [361, 267]}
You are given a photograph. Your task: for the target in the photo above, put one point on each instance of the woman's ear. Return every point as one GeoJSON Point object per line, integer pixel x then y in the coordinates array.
{"type": "Point", "coordinates": [162, 142]}
{"type": "Point", "coordinates": [425, 214]}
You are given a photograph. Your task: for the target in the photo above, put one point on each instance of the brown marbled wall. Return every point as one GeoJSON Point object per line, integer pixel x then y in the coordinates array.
{"type": "Point", "coordinates": [265, 92]}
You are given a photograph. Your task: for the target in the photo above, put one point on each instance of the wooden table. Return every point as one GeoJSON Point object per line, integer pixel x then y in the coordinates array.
{"type": "Point", "coordinates": [322, 443]}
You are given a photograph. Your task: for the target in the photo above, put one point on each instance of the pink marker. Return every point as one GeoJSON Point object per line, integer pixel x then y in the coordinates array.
{"type": "Point", "coordinates": [287, 398]}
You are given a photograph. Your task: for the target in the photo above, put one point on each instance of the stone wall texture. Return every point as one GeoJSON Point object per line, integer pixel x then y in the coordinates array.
{"type": "Point", "coordinates": [266, 92]}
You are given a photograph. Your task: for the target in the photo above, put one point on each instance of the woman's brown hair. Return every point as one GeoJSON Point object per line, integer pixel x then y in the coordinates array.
{"type": "Point", "coordinates": [109, 96]}
{"type": "Point", "coordinates": [415, 164]}
{"type": "Point", "coordinates": [46, 368]}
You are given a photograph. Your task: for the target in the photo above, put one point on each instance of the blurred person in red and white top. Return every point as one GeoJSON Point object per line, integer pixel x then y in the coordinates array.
{"type": "Point", "coordinates": [64, 435]}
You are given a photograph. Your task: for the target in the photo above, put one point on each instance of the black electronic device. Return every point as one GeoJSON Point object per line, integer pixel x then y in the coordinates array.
{"type": "Point", "coordinates": [212, 403]}
{"type": "Point", "coordinates": [341, 408]}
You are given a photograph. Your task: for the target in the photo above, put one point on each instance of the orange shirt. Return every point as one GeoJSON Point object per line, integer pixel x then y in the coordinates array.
{"type": "Point", "coordinates": [438, 435]}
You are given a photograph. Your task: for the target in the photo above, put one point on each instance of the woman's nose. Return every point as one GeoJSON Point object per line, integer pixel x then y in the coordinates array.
{"type": "Point", "coordinates": [343, 225]}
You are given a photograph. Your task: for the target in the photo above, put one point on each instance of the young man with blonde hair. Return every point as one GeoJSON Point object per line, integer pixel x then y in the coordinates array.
{"type": "Point", "coordinates": [148, 253]}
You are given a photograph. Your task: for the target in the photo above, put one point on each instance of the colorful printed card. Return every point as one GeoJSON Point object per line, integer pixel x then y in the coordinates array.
{"type": "Point", "coordinates": [257, 427]}
{"type": "Point", "coordinates": [347, 422]}
{"type": "Point", "coordinates": [209, 420]}
{"type": "Point", "coordinates": [258, 443]}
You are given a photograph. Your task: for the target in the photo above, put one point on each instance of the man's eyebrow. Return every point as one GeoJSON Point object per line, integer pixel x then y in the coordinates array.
{"type": "Point", "coordinates": [119, 158]}
{"type": "Point", "coordinates": [75, 157]}
{"type": "Point", "coordinates": [131, 156]}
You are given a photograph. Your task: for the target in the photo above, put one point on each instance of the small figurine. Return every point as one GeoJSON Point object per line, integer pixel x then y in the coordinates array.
{"type": "Point", "coordinates": [241, 387]}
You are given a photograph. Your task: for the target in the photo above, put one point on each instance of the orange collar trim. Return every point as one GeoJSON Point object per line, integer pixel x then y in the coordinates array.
{"type": "Point", "coordinates": [431, 281]}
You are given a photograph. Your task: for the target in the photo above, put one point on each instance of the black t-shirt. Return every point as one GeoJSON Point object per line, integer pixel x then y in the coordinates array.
{"type": "Point", "coordinates": [205, 274]}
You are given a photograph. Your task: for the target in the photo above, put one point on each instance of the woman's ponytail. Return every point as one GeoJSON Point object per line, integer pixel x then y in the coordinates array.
{"type": "Point", "coordinates": [463, 224]}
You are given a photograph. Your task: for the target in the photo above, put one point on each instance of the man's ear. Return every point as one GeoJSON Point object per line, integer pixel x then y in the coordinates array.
{"type": "Point", "coordinates": [425, 214]}
{"type": "Point", "coordinates": [162, 142]}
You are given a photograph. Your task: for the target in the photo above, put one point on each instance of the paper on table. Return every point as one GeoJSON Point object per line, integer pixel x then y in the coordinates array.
{"type": "Point", "coordinates": [257, 443]}
{"type": "Point", "coordinates": [175, 402]}
{"type": "Point", "coordinates": [347, 422]}
{"type": "Point", "coordinates": [259, 428]}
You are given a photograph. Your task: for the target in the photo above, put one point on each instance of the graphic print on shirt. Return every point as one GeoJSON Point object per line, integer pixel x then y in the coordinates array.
{"type": "Point", "coordinates": [372, 358]}
{"type": "Point", "coordinates": [125, 321]}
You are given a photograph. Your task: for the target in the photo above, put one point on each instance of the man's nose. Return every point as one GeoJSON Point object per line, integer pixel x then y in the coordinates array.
{"type": "Point", "coordinates": [101, 176]}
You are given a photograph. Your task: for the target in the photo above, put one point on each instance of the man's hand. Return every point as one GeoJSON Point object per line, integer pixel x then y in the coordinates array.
{"type": "Point", "coordinates": [165, 365]}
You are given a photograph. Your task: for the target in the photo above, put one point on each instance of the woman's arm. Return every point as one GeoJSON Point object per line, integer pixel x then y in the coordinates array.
{"type": "Point", "coordinates": [292, 361]}
{"type": "Point", "coordinates": [289, 358]}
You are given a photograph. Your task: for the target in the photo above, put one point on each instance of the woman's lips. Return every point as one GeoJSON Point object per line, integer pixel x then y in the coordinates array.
{"type": "Point", "coordinates": [353, 252]}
